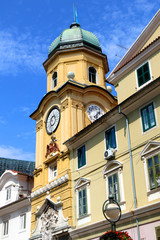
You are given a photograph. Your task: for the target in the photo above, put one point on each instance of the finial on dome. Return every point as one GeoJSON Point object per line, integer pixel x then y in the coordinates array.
{"type": "Point", "coordinates": [75, 14]}
{"type": "Point", "coordinates": [75, 23]}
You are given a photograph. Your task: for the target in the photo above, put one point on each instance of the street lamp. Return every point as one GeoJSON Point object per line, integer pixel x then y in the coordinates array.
{"type": "Point", "coordinates": [112, 212]}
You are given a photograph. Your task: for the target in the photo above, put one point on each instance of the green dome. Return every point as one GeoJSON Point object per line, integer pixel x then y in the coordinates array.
{"type": "Point", "coordinates": [75, 36]}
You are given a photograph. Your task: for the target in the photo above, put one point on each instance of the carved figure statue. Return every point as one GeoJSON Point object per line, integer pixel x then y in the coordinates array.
{"type": "Point", "coordinates": [49, 221]}
{"type": "Point", "coordinates": [52, 147]}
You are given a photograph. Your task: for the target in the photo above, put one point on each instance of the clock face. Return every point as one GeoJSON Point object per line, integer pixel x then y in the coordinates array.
{"type": "Point", "coordinates": [94, 112]}
{"type": "Point", "coordinates": [52, 120]}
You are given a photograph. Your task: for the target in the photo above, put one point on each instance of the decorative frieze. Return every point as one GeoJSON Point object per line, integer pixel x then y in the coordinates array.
{"type": "Point", "coordinates": [49, 186]}
{"type": "Point", "coordinates": [39, 125]}
{"type": "Point", "coordinates": [64, 105]}
{"type": "Point", "coordinates": [77, 104]}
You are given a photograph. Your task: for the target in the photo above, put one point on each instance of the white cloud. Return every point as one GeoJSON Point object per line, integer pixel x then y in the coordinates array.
{"type": "Point", "coordinates": [2, 120]}
{"type": "Point", "coordinates": [20, 52]}
{"type": "Point", "coordinates": [16, 153]}
{"type": "Point", "coordinates": [122, 27]}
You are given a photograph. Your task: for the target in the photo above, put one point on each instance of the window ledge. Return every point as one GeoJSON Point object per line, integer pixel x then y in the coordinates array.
{"type": "Point", "coordinates": [122, 203]}
{"type": "Point", "coordinates": [83, 220]}
{"type": "Point", "coordinates": [87, 215]}
{"type": "Point", "coordinates": [149, 130]}
{"type": "Point", "coordinates": [153, 191]}
{"type": "Point", "coordinates": [5, 236]}
{"type": "Point", "coordinates": [22, 230]}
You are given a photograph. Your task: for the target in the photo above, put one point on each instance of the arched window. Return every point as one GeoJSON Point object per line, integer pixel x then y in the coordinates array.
{"type": "Point", "coordinates": [54, 80]}
{"type": "Point", "coordinates": [114, 181]}
{"type": "Point", "coordinates": [92, 74]}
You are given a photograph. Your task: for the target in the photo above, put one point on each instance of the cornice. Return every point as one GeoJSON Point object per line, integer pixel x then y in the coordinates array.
{"type": "Point", "coordinates": [14, 206]}
{"type": "Point", "coordinates": [134, 62]}
{"type": "Point", "coordinates": [70, 84]}
{"type": "Point", "coordinates": [77, 48]}
{"type": "Point", "coordinates": [50, 186]}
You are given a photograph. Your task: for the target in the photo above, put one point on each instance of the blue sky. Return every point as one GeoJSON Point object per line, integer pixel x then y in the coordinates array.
{"type": "Point", "coordinates": [27, 28]}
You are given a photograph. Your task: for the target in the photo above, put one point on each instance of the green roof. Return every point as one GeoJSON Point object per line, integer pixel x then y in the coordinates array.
{"type": "Point", "coordinates": [16, 165]}
{"type": "Point", "coordinates": [75, 34]}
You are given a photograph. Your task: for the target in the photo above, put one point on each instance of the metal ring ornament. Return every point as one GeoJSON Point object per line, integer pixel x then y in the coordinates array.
{"type": "Point", "coordinates": [104, 207]}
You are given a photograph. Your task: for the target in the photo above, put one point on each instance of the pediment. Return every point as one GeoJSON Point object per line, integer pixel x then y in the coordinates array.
{"type": "Point", "coordinates": [50, 219]}
{"type": "Point", "coordinates": [150, 148]}
{"type": "Point", "coordinates": [111, 166]}
{"type": "Point", "coordinates": [81, 182]}
{"type": "Point", "coordinates": [48, 203]}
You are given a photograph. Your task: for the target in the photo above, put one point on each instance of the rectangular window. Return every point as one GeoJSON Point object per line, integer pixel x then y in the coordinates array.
{"type": "Point", "coordinates": [81, 156]}
{"type": "Point", "coordinates": [110, 138]}
{"type": "Point", "coordinates": [148, 117]}
{"type": "Point", "coordinates": [82, 198]}
{"type": "Point", "coordinates": [154, 171]}
{"type": "Point", "coordinates": [23, 221]}
{"type": "Point", "coordinates": [8, 193]}
{"type": "Point", "coordinates": [143, 74]}
{"type": "Point", "coordinates": [113, 186]}
{"type": "Point", "coordinates": [5, 227]}
{"type": "Point", "coordinates": [52, 172]}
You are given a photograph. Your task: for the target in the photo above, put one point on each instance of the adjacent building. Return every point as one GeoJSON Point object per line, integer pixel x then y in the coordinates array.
{"type": "Point", "coordinates": [15, 206]}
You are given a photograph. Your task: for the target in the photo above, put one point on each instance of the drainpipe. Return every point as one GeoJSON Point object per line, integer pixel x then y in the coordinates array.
{"type": "Point", "coordinates": [132, 174]}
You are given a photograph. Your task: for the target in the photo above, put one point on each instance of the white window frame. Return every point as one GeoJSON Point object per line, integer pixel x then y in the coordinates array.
{"type": "Point", "coordinates": [107, 172]}
{"type": "Point", "coordinates": [52, 171]}
{"type": "Point", "coordinates": [53, 80]}
{"type": "Point", "coordinates": [81, 184]}
{"type": "Point", "coordinates": [22, 221]}
{"type": "Point", "coordinates": [85, 156]}
{"type": "Point", "coordinates": [151, 149]}
{"type": "Point", "coordinates": [97, 76]}
{"type": "Point", "coordinates": [8, 193]}
{"type": "Point", "coordinates": [154, 108]}
{"type": "Point", "coordinates": [137, 76]}
{"type": "Point", "coordinates": [116, 149]}
{"type": "Point", "coordinates": [5, 228]}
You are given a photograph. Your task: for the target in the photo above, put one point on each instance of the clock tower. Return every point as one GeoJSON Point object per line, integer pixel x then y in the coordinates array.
{"type": "Point", "coordinates": [76, 97]}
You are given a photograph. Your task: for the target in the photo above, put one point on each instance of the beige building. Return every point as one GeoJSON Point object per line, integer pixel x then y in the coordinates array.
{"type": "Point", "coordinates": [119, 153]}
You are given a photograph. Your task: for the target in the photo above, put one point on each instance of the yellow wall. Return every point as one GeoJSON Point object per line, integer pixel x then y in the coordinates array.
{"type": "Point", "coordinates": [128, 85]}
{"type": "Point", "coordinates": [77, 62]}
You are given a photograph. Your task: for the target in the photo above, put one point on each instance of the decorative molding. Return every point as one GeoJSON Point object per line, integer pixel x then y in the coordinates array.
{"type": "Point", "coordinates": [52, 158]}
{"type": "Point", "coordinates": [39, 125]}
{"type": "Point", "coordinates": [81, 182]}
{"type": "Point", "coordinates": [64, 105]}
{"type": "Point", "coordinates": [71, 45]}
{"type": "Point", "coordinates": [117, 166]}
{"type": "Point", "coordinates": [77, 104]}
{"type": "Point", "coordinates": [52, 147]}
{"type": "Point", "coordinates": [37, 171]}
{"type": "Point", "coordinates": [49, 186]}
{"type": "Point", "coordinates": [50, 220]}
{"type": "Point", "coordinates": [150, 148]}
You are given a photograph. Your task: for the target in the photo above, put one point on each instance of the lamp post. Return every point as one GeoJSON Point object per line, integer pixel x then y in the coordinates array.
{"type": "Point", "coordinates": [112, 212]}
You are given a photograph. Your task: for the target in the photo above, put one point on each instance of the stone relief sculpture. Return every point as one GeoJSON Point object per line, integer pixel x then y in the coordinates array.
{"type": "Point", "coordinates": [49, 220]}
